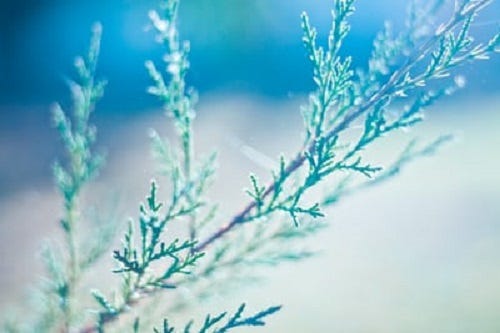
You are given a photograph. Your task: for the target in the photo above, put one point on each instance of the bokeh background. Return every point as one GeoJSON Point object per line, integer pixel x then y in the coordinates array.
{"type": "Point", "coordinates": [419, 253]}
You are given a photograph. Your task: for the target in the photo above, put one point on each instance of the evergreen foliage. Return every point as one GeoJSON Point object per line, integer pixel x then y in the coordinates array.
{"type": "Point", "coordinates": [391, 94]}
{"type": "Point", "coordinates": [211, 324]}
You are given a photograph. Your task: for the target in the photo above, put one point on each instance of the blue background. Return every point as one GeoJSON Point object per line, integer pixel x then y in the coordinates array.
{"type": "Point", "coordinates": [238, 46]}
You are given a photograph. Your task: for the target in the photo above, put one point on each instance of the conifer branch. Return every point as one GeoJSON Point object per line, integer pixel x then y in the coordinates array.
{"type": "Point", "coordinates": [399, 81]}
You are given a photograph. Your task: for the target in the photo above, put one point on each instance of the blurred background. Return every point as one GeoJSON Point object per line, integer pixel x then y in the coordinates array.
{"type": "Point", "coordinates": [420, 253]}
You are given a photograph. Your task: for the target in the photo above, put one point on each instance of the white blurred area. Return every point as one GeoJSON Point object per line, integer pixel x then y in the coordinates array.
{"type": "Point", "coordinates": [420, 253]}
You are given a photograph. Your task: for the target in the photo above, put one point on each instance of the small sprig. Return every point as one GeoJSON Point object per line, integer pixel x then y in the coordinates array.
{"type": "Point", "coordinates": [77, 134]}
{"type": "Point", "coordinates": [135, 262]}
{"type": "Point", "coordinates": [216, 323]}
{"type": "Point", "coordinates": [331, 74]}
